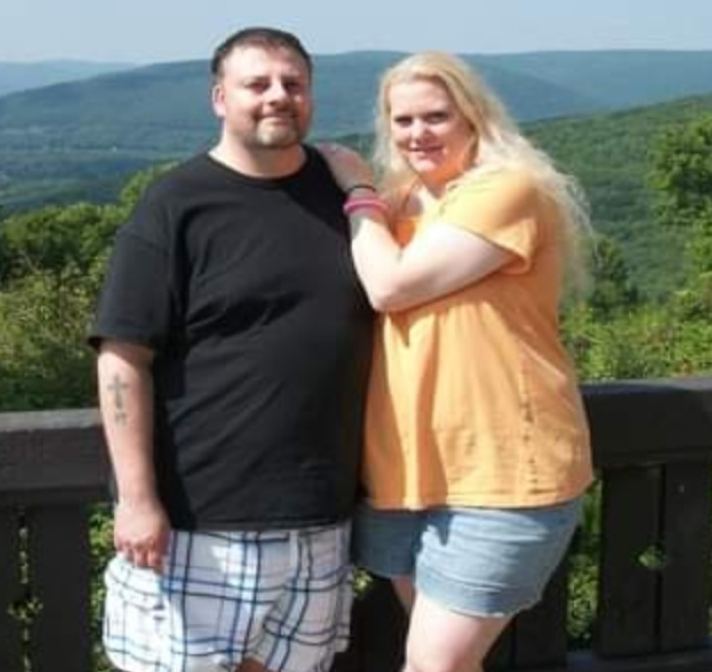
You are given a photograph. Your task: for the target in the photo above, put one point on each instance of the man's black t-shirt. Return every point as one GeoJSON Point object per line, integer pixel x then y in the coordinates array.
{"type": "Point", "coordinates": [246, 291]}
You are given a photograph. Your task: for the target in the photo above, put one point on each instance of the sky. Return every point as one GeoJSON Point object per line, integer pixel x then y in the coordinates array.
{"type": "Point", "coordinates": [150, 31]}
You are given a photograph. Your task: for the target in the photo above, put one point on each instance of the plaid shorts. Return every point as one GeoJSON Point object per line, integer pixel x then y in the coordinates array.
{"type": "Point", "coordinates": [282, 598]}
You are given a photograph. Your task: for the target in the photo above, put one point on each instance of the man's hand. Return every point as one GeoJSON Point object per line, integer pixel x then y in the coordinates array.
{"type": "Point", "coordinates": [141, 533]}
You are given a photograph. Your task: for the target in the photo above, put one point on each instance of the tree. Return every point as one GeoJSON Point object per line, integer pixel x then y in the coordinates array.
{"type": "Point", "coordinates": [44, 359]}
{"type": "Point", "coordinates": [52, 262]}
{"type": "Point", "coordinates": [682, 179]}
{"type": "Point", "coordinates": [612, 291]}
{"type": "Point", "coordinates": [53, 238]}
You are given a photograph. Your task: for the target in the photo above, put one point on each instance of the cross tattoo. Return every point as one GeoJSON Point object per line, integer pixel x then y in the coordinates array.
{"type": "Point", "coordinates": [117, 388]}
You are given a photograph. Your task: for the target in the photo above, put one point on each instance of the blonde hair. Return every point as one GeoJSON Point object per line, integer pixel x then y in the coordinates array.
{"type": "Point", "coordinates": [497, 143]}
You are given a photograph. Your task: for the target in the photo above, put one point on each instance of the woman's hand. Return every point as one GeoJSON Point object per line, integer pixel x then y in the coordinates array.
{"type": "Point", "coordinates": [348, 167]}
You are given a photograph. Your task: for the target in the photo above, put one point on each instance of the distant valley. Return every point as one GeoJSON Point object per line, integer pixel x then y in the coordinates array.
{"type": "Point", "coordinates": [118, 105]}
{"type": "Point", "coordinates": [77, 139]}
{"type": "Point", "coordinates": [598, 113]}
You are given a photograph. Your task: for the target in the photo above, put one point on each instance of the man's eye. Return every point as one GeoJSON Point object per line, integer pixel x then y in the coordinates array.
{"type": "Point", "coordinates": [256, 86]}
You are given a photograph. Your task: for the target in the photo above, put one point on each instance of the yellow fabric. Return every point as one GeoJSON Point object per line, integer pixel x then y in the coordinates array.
{"type": "Point", "coordinates": [473, 400]}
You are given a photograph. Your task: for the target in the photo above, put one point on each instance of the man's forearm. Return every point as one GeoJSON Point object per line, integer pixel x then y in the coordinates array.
{"type": "Point", "coordinates": [126, 402]}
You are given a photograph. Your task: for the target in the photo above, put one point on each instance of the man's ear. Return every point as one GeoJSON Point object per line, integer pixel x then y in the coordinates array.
{"type": "Point", "coordinates": [217, 97]}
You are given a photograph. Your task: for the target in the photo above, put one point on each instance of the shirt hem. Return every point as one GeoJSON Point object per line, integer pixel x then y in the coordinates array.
{"type": "Point", "coordinates": [479, 500]}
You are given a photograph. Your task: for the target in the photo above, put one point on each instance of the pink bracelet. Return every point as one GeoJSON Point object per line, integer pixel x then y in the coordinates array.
{"type": "Point", "coordinates": [354, 204]}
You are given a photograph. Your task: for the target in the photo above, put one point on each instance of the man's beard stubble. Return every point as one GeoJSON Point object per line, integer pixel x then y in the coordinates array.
{"type": "Point", "coordinates": [283, 135]}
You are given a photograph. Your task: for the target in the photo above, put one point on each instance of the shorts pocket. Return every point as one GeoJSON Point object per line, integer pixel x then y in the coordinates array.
{"type": "Point", "coordinates": [137, 586]}
{"type": "Point", "coordinates": [135, 618]}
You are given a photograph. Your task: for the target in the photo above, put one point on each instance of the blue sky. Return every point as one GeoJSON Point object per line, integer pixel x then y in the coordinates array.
{"type": "Point", "coordinates": [145, 31]}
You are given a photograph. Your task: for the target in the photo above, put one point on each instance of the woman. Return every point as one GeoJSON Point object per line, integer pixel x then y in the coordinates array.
{"type": "Point", "coordinates": [477, 447]}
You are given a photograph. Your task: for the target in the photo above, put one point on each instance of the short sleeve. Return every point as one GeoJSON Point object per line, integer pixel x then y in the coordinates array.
{"type": "Point", "coordinates": [137, 301]}
{"type": "Point", "coordinates": [500, 207]}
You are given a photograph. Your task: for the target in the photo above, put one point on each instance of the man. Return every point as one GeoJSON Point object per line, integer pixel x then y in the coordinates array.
{"type": "Point", "coordinates": [234, 346]}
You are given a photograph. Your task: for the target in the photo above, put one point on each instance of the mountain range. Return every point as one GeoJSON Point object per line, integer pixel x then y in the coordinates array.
{"type": "Point", "coordinates": [599, 114]}
{"type": "Point", "coordinates": [82, 137]}
{"type": "Point", "coordinates": [121, 102]}
{"type": "Point", "coordinates": [23, 76]}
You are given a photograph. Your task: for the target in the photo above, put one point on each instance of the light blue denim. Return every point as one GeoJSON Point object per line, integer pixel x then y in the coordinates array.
{"type": "Point", "coordinates": [477, 561]}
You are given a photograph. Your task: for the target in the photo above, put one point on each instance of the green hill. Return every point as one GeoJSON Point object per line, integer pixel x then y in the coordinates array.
{"type": "Point", "coordinates": [77, 139]}
{"type": "Point", "coordinates": [346, 84]}
{"type": "Point", "coordinates": [23, 76]}
{"type": "Point", "coordinates": [610, 153]}
{"type": "Point", "coordinates": [80, 140]}
{"type": "Point", "coordinates": [166, 107]}
{"type": "Point", "coordinates": [619, 79]}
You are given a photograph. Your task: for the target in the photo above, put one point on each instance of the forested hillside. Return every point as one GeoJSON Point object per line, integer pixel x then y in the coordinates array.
{"type": "Point", "coordinates": [23, 76]}
{"type": "Point", "coordinates": [649, 173]}
{"type": "Point", "coordinates": [564, 82]}
{"type": "Point", "coordinates": [82, 139]}
{"type": "Point", "coordinates": [610, 153]}
{"type": "Point", "coordinates": [619, 79]}
{"type": "Point", "coordinates": [53, 258]}
{"type": "Point", "coordinates": [166, 107]}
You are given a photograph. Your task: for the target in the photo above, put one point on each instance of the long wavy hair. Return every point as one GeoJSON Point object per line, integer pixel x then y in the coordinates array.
{"type": "Point", "coordinates": [497, 144]}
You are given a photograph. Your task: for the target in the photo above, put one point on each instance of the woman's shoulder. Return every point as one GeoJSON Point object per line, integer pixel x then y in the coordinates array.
{"type": "Point", "coordinates": [512, 185]}
{"type": "Point", "coordinates": [514, 179]}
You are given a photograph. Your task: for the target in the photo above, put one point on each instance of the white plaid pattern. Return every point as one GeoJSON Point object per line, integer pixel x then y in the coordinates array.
{"type": "Point", "coordinates": [280, 597]}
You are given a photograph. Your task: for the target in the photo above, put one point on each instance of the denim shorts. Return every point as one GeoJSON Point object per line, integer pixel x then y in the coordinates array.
{"type": "Point", "coordinates": [478, 561]}
{"type": "Point", "coordinates": [282, 598]}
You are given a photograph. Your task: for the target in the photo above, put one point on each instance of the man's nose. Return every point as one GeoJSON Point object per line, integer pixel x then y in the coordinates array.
{"type": "Point", "coordinates": [277, 91]}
